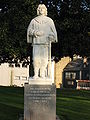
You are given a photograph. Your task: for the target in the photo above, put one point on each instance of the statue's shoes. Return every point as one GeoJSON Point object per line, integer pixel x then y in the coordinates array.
{"type": "Point", "coordinates": [35, 77]}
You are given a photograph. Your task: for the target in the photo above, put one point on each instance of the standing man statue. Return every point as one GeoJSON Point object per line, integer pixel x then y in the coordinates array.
{"type": "Point", "coordinates": [41, 33]}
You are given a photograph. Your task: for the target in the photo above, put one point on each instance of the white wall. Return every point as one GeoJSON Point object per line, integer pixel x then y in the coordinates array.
{"type": "Point", "coordinates": [4, 74]}
{"type": "Point", "coordinates": [13, 75]}
{"type": "Point", "coordinates": [20, 75]}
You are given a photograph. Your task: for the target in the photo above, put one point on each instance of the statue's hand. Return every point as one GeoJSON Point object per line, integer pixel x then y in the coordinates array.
{"type": "Point", "coordinates": [51, 38]}
{"type": "Point", "coordinates": [38, 33]}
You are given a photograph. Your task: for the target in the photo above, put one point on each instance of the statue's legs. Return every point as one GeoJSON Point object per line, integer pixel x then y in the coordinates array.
{"type": "Point", "coordinates": [36, 64]}
{"type": "Point", "coordinates": [40, 60]}
{"type": "Point", "coordinates": [44, 63]}
{"type": "Point", "coordinates": [42, 72]}
{"type": "Point", "coordinates": [36, 60]}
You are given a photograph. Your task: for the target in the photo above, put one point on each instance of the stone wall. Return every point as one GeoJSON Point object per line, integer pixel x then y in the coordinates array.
{"type": "Point", "coordinates": [59, 66]}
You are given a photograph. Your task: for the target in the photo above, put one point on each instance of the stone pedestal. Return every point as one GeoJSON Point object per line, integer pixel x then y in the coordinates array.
{"type": "Point", "coordinates": [40, 101]}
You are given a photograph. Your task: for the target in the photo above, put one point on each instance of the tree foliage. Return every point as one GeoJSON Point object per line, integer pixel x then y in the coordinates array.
{"type": "Point", "coordinates": [71, 17]}
{"type": "Point", "coordinates": [72, 22]}
{"type": "Point", "coordinates": [14, 18]}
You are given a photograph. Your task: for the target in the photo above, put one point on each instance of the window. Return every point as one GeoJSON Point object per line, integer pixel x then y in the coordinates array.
{"type": "Point", "coordinates": [70, 75]}
{"type": "Point", "coordinates": [24, 78]}
{"type": "Point", "coordinates": [17, 77]}
{"type": "Point", "coordinates": [70, 82]}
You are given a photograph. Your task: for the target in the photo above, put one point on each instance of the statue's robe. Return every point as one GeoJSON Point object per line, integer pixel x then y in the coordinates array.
{"type": "Point", "coordinates": [41, 43]}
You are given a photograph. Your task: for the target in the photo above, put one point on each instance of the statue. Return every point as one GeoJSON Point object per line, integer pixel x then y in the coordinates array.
{"type": "Point", "coordinates": [41, 33]}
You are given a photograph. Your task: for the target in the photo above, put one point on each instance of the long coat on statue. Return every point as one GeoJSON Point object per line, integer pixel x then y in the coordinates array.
{"type": "Point", "coordinates": [41, 43]}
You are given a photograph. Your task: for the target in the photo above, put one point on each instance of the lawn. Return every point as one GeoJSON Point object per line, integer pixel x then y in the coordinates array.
{"type": "Point", "coordinates": [71, 104]}
{"type": "Point", "coordinates": [11, 103]}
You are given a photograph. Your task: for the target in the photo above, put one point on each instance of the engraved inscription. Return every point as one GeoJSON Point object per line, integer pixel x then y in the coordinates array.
{"type": "Point", "coordinates": [39, 94]}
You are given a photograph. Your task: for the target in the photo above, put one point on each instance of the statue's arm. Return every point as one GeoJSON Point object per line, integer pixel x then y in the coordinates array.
{"type": "Point", "coordinates": [53, 36]}
{"type": "Point", "coordinates": [33, 32]}
{"type": "Point", "coordinates": [30, 32]}
{"type": "Point", "coordinates": [31, 28]}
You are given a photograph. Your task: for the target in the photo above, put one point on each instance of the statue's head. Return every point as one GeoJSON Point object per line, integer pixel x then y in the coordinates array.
{"type": "Point", "coordinates": [42, 10]}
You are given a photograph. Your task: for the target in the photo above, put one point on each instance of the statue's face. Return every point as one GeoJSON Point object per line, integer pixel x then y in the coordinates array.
{"type": "Point", "coordinates": [42, 11]}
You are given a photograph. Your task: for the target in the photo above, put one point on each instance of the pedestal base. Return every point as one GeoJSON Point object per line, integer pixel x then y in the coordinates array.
{"type": "Point", "coordinates": [40, 81]}
{"type": "Point", "coordinates": [39, 101]}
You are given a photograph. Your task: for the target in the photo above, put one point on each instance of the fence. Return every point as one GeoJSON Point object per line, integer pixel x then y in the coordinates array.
{"type": "Point", "coordinates": [83, 84]}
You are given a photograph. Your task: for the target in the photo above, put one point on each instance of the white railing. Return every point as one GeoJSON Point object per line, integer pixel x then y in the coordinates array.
{"type": "Point", "coordinates": [83, 84]}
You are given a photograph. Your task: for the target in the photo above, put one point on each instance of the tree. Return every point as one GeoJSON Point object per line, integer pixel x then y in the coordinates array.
{"type": "Point", "coordinates": [71, 19]}
{"type": "Point", "coordinates": [14, 18]}
{"type": "Point", "coordinates": [72, 22]}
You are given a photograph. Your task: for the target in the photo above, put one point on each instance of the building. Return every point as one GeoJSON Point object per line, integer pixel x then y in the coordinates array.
{"type": "Point", "coordinates": [12, 75]}
{"type": "Point", "coordinates": [58, 70]}
{"type": "Point", "coordinates": [65, 73]}
{"type": "Point", "coordinates": [76, 70]}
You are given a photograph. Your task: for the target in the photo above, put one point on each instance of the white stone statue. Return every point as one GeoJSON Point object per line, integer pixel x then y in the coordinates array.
{"type": "Point", "coordinates": [41, 33]}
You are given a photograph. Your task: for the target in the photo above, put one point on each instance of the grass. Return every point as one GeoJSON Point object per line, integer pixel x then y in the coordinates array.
{"type": "Point", "coordinates": [70, 104]}
{"type": "Point", "coordinates": [11, 103]}
{"type": "Point", "coordinates": [73, 104]}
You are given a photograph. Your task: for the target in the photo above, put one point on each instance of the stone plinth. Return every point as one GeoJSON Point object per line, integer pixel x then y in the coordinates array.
{"type": "Point", "coordinates": [39, 102]}
{"type": "Point", "coordinates": [40, 81]}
